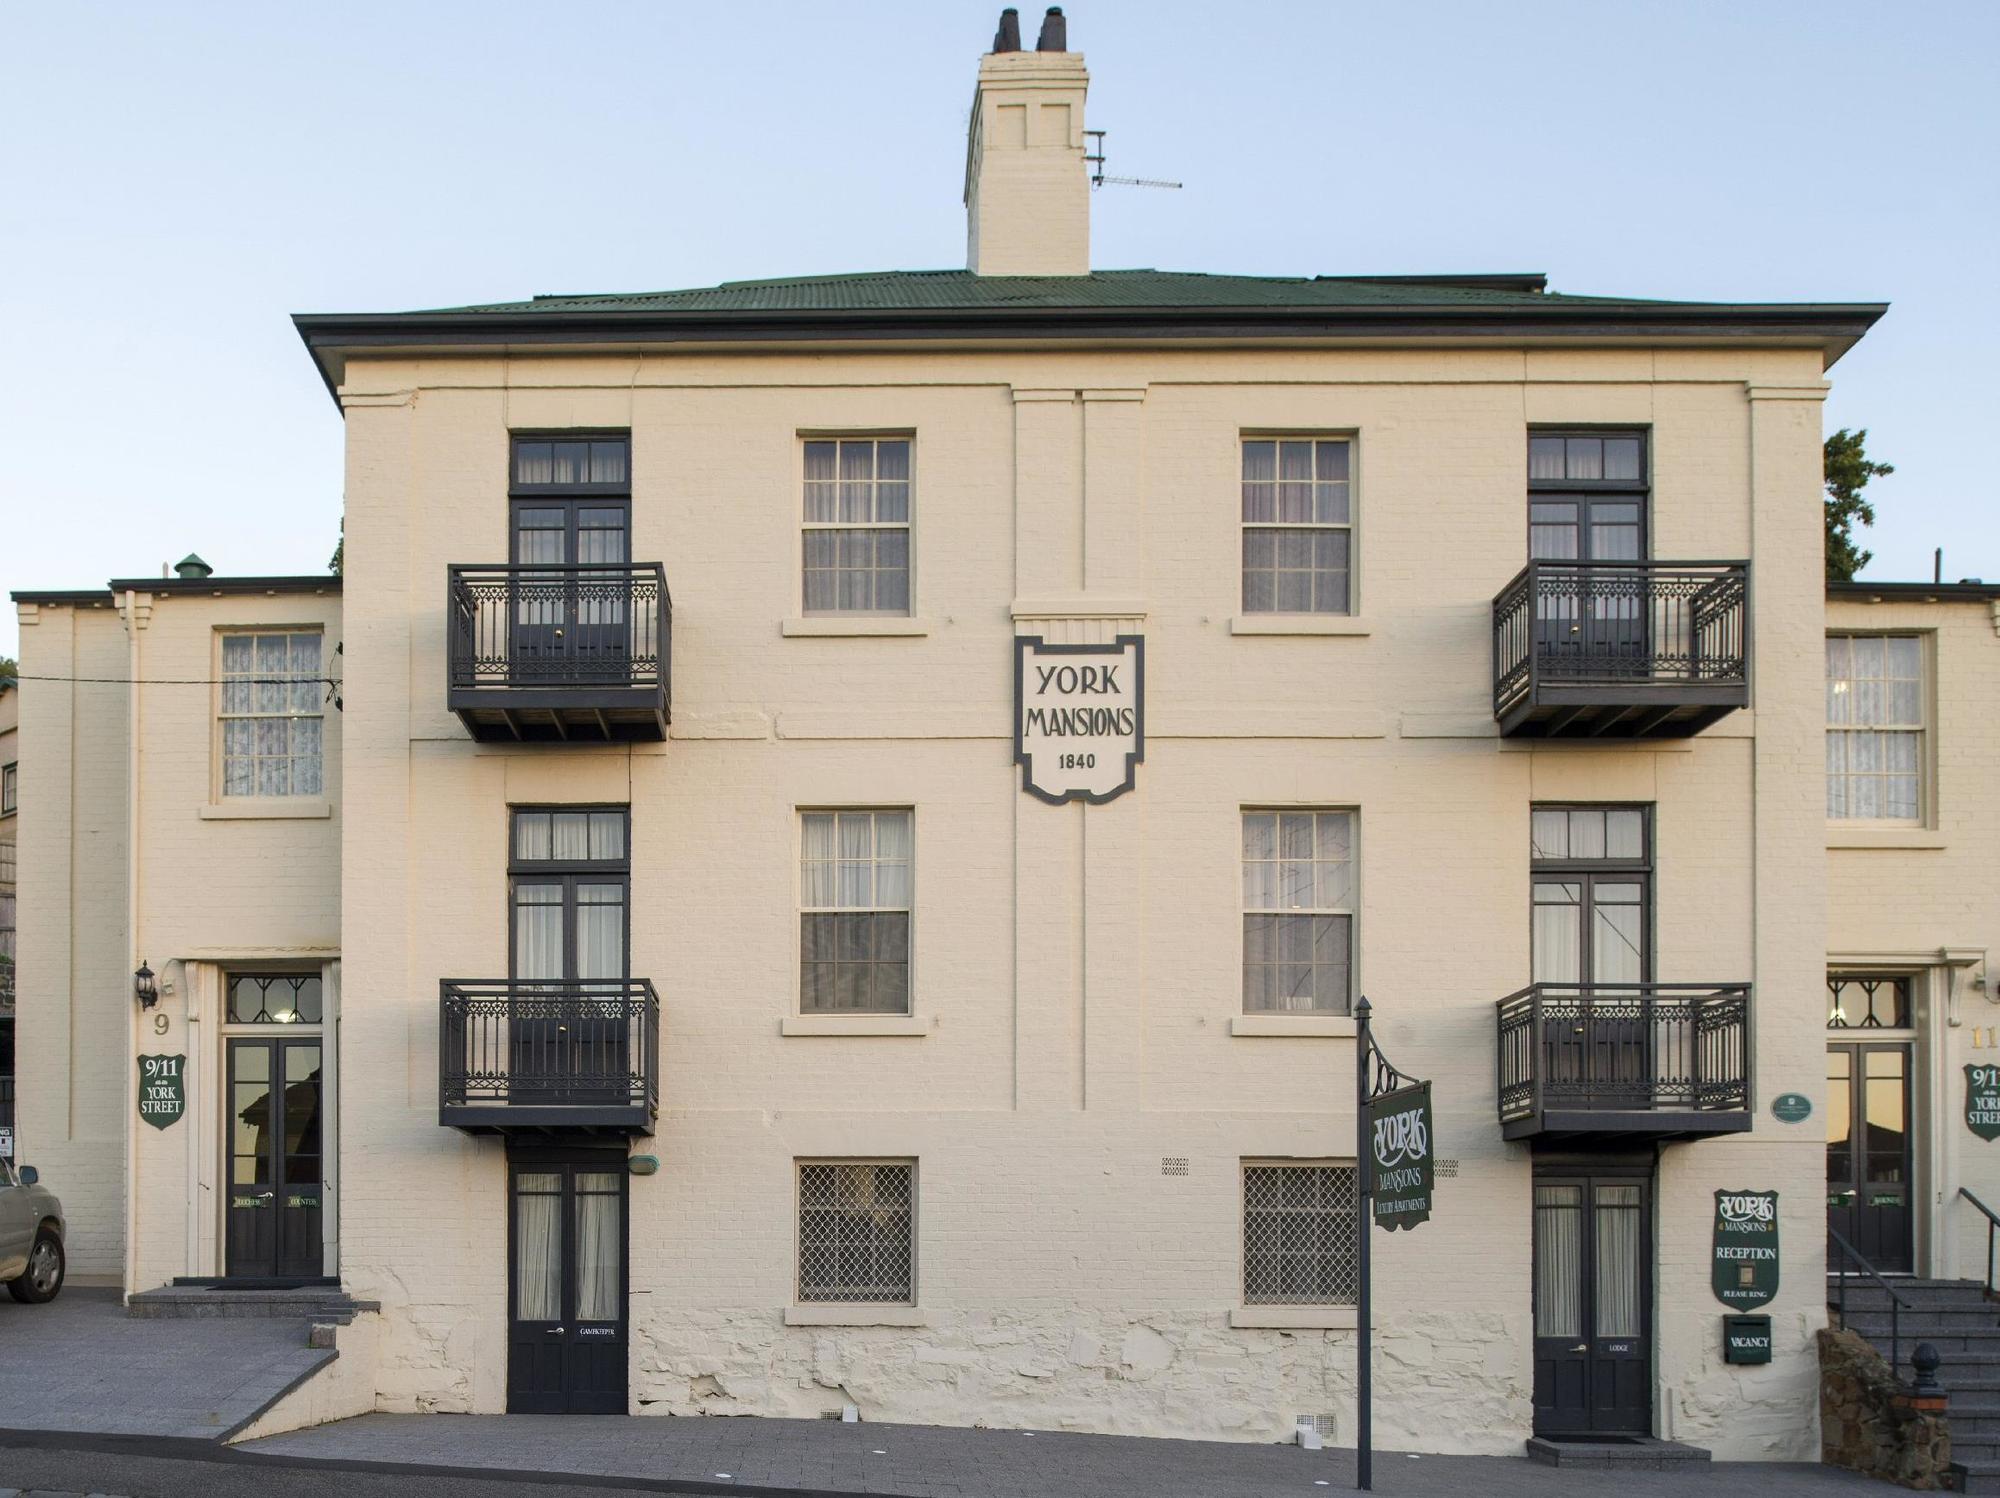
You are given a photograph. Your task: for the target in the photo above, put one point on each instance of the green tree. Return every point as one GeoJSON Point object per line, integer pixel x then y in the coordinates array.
{"type": "Point", "coordinates": [333, 564]}
{"type": "Point", "coordinates": [9, 668]}
{"type": "Point", "coordinates": [1848, 470]}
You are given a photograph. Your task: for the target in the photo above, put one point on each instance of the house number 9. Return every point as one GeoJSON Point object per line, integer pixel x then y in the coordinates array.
{"type": "Point", "coordinates": [159, 1024]}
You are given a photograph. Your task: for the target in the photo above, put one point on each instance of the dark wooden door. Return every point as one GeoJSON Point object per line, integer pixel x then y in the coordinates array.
{"type": "Point", "coordinates": [1868, 1163]}
{"type": "Point", "coordinates": [276, 1179]}
{"type": "Point", "coordinates": [568, 1031]}
{"type": "Point", "coordinates": [567, 1330]}
{"type": "Point", "coordinates": [1593, 929]}
{"type": "Point", "coordinates": [1590, 618]}
{"type": "Point", "coordinates": [572, 621]}
{"type": "Point", "coordinates": [1593, 1303]}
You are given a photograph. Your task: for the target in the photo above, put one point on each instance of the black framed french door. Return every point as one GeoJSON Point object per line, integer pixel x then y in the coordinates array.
{"type": "Point", "coordinates": [1593, 1256]}
{"type": "Point", "coordinates": [572, 622]}
{"type": "Point", "coordinates": [1587, 498]}
{"type": "Point", "coordinates": [568, 1262]}
{"type": "Point", "coordinates": [1592, 928]}
{"type": "Point", "coordinates": [1868, 1156]}
{"type": "Point", "coordinates": [569, 940]}
{"type": "Point", "coordinates": [276, 1166]}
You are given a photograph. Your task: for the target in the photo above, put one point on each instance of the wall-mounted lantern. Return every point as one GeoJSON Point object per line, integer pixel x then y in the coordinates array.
{"type": "Point", "coordinates": [144, 987]}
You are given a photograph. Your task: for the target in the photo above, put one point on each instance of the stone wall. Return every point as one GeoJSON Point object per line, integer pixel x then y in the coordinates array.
{"type": "Point", "coordinates": [1870, 1424]}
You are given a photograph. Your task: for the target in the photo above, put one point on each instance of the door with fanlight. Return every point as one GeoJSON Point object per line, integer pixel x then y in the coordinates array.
{"type": "Point", "coordinates": [567, 1326]}
{"type": "Point", "coordinates": [1593, 1301]}
{"type": "Point", "coordinates": [1869, 1159]}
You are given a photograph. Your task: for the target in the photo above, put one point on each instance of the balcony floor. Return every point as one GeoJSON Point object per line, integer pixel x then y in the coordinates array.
{"type": "Point", "coordinates": [1583, 1125]}
{"type": "Point", "coordinates": [1631, 710]}
{"type": "Point", "coordinates": [613, 1120]}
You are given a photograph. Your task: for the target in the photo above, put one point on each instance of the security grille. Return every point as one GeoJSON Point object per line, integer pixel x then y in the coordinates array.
{"type": "Point", "coordinates": [857, 1239]}
{"type": "Point", "coordinates": [1299, 1234]}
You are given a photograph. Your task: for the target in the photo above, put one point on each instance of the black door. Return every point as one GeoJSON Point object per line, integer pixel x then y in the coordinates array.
{"type": "Point", "coordinates": [274, 1159]}
{"type": "Point", "coordinates": [1593, 1303]}
{"type": "Point", "coordinates": [566, 1286]}
{"type": "Point", "coordinates": [572, 621]}
{"type": "Point", "coordinates": [1591, 927]}
{"type": "Point", "coordinates": [1868, 1153]}
{"type": "Point", "coordinates": [569, 1033]}
{"type": "Point", "coordinates": [1587, 506]}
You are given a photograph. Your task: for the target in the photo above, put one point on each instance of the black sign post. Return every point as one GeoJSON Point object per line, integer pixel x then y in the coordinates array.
{"type": "Point", "coordinates": [1393, 1136]}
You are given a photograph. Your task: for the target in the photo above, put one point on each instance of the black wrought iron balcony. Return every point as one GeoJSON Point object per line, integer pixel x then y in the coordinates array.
{"type": "Point", "coordinates": [1654, 1060]}
{"type": "Point", "coordinates": [521, 1057]}
{"type": "Point", "coordinates": [1621, 649]}
{"type": "Point", "coordinates": [555, 653]}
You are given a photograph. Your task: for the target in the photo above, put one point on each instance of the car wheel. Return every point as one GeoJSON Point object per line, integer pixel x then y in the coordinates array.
{"type": "Point", "coordinates": [43, 1277]}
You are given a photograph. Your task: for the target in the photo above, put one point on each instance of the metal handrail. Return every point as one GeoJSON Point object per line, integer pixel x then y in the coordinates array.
{"type": "Point", "coordinates": [1896, 1302]}
{"type": "Point", "coordinates": [1635, 1047]}
{"type": "Point", "coordinates": [1992, 1224]}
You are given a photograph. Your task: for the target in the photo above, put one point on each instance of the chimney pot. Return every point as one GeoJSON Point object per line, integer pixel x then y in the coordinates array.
{"type": "Point", "coordinates": [1055, 32]}
{"type": "Point", "coordinates": [1008, 37]}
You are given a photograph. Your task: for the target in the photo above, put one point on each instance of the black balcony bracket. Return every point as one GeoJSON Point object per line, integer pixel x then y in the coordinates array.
{"type": "Point", "coordinates": [1621, 650]}
{"type": "Point", "coordinates": [1638, 1061]}
{"type": "Point", "coordinates": [553, 654]}
{"type": "Point", "coordinates": [526, 1058]}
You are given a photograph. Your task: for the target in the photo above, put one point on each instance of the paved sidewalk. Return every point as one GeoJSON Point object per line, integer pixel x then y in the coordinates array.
{"type": "Point", "coordinates": [826, 1457]}
{"type": "Point", "coordinates": [80, 1363]}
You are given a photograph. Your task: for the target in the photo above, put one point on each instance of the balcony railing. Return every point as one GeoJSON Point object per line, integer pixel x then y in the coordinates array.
{"type": "Point", "coordinates": [1621, 649]}
{"type": "Point", "coordinates": [551, 653]}
{"type": "Point", "coordinates": [529, 1057]}
{"type": "Point", "coordinates": [1651, 1059]}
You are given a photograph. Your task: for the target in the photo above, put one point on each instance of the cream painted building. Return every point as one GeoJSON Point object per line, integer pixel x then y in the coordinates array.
{"type": "Point", "coordinates": [863, 806]}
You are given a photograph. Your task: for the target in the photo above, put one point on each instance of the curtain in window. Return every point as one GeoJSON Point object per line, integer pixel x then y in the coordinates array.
{"type": "Point", "coordinates": [538, 932]}
{"type": "Point", "coordinates": [1558, 1261]}
{"type": "Point", "coordinates": [538, 1247]}
{"type": "Point", "coordinates": [1556, 934]}
{"type": "Point", "coordinates": [1617, 1268]}
{"type": "Point", "coordinates": [598, 1290]}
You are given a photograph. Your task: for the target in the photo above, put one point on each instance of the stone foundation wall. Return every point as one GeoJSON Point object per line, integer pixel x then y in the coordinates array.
{"type": "Point", "coordinates": [1870, 1425]}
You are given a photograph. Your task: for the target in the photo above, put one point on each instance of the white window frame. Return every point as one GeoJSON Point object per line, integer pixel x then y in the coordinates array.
{"type": "Point", "coordinates": [1919, 731]}
{"type": "Point", "coordinates": [857, 1017]}
{"type": "Point", "coordinates": [1351, 910]}
{"type": "Point", "coordinates": [799, 1167]}
{"type": "Point", "coordinates": [219, 789]}
{"type": "Point", "coordinates": [907, 525]}
{"type": "Point", "coordinates": [1268, 1304]}
{"type": "Point", "coordinates": [10, 788]}
{"type": "Point", "coordinates": [1350, 527]}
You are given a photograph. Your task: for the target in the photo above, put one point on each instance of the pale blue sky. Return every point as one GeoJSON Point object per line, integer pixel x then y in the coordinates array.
{"type": "Point", "coordinates": [180, 178]}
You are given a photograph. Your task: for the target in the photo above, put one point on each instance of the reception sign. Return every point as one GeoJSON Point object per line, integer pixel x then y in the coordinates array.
{"type": "Point", "coordinates": [1079, 717]}
{"type": "Point", "coordinates": [1982, 1101]}
{"type": "Point", "coordinates": [1746, 1248]}
{"type": "Point", "coordinates": [1399, 1138]}
{"type": "Point", "coordinates": [162, 1089]}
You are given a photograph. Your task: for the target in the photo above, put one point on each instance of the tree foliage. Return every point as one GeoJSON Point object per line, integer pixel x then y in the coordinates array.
{"type": "Point", "coordinates": [333, 563]}
{"type": "Point", "coordinates": [1848, 470]}
{"type": "Point", "coordinates": [9, 668]}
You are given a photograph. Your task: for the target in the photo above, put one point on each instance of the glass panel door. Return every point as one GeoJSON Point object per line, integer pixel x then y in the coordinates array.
{"type": "Point", "coordinates": [276, 1176]}
{"type": "Point", "coordinates": [567, 1318]}
{"type": "Point", "coordinates": [1593, 1347]}
{"type": "Point", "coordinates": [1868, 1156]}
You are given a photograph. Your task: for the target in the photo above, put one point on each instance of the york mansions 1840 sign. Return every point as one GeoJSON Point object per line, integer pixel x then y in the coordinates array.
{"type": "Point", "coordinates": [1079, 717]}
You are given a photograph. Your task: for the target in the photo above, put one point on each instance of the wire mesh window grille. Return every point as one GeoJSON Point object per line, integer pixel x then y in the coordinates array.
{"type": "Point", "coordinates": [857, 1232]}
{"type": "Point", "coordinates": [1298, 526]}
{"type": "Point", "coordinates": [1859, 1001]}
{"type": "Point", "coordinates": [1300, 1234]}
{"type": "Point", "coordinates": [854, 919]}
{"type": "Point", "coordinates": [273, 687]}
{"type": "Point", "coordinates": [276, 999]}
{"type": "Point", "coordinates": [857, 526]}
{"type": "Point", "coordinates": [1298, 912]}
{"type": "Point", "coordinates": [1874, 728]}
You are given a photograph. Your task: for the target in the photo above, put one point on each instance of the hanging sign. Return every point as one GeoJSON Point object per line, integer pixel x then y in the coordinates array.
{"type": "Point", "coordinates": [162, 1089]}
{"type": "Point", "coordinates": [1399, 1137]}
{"type": "Point", "coordinates": [1746, 1248]}
{"type": "Point", "coordinates": [1982, 1101]}
{"type": "Point", "coordinates": [1079, 717]}
{"type": "Point", "coordinates": [6, 1141]}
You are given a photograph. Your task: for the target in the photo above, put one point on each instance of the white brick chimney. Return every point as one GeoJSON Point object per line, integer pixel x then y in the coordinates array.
{"type": "Point", "coordinates": [1027, 191]}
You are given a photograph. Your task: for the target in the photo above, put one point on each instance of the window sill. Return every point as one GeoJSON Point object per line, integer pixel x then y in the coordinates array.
{"type": "Point", "coordinates": [821, 626]}
{"type": "Point", "coordinates": [1883, 837]}
{"type": "Point", "coordinates": [1295, 1318]}
{"type": "Point", "coordinates": [854, 1024]}
{"type": "Point", "coordinates": [265, 809]}
{"type": "Point", "coordinates": [1299, 624]}
{"type": "Point", "coordinates": [1319, 1026]}
{"type": "Point", "coordinates": [856, 1315]}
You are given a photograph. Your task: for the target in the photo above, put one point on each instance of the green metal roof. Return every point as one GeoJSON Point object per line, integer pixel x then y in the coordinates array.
{"type": "Point", "coordinates": [899, 290]}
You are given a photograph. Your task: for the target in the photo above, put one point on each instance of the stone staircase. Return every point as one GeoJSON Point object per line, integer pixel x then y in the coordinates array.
{"type": "Point", "coordinates": [1963, 1324]}
{"type": "Point", "coordinates": [316, 1305]}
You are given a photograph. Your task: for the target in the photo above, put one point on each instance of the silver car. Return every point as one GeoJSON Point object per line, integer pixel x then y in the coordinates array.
{"type": "Point", "coordinates": [31, 1235]}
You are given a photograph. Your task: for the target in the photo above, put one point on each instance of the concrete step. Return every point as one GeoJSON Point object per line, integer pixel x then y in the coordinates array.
{"type": "Point", "coordinates": [1629, 1453]}
{"type": "Point", "coordinates": [1975, 1477]}
{"type": "Point", "coordinates": [200, 1302]}
{"type": "Point", "coordinates": [1923, 1322]}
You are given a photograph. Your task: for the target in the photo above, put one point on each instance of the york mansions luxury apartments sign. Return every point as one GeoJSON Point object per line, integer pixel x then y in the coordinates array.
{"type": "Point", "coordinates": [1079, 717]}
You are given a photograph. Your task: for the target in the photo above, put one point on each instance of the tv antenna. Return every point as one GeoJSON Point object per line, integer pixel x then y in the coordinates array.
{"type": "Point", "coordinates": [1097, 173]}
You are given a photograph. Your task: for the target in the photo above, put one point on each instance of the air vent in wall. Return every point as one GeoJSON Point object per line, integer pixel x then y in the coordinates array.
{"type": "Point", "coordinates": [1173, 1165]}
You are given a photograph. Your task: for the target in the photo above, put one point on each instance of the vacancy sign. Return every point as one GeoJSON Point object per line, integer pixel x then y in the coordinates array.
{"type": "Point", "coordinates": [1079, 717]}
